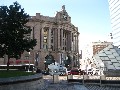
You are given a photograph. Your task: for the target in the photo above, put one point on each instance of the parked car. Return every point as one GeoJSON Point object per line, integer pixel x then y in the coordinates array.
{"type": "Point", "coordinates": [74, 72]}
{"type": "Point", "coordinates": [97, 72]}
{"type": "Point", "coordinates": [82, 72]}
{"type": "Point", "coordinates": [90, 72]}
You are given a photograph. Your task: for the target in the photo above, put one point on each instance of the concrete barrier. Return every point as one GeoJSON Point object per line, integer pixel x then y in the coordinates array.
{"type": "Point", "coordinates": [85, 77]}
{"type": "Point", "coordinates": [103, 77]}
{"type": "Point", "coordinates": [55, 78]}
{"type": "Point", "coordinates": [32, 82]}
{"type": "Point", "coordinates": [69, 77]}
{"type": "Point", "coordinates": [112, 73]}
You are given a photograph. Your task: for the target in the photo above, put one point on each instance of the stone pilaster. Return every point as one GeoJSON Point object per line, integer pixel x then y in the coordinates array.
{"type": "Point", "coordinates": [61, 39]}
{"type": "Point", "coordinates": [71, 42]}
{"type": "Point", "coordinates": [42, 37]}
{"type": "Point", "coordinates": [37, 36]}
{"type": "Point", "coordinates": [49, 37]}
{"type": "Point", "coordinates": [75, 43]}
{"type": "Point", "coordinates": [58, 38]}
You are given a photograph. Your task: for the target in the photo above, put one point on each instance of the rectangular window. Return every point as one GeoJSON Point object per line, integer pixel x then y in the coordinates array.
{"type": "Point", "coordinates": [45, 39]}
{"type": "Point", "coordinates": [45, 46]}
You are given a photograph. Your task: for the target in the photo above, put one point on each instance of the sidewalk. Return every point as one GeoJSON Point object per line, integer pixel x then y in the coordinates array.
{"type": "Point", "coordinates": [64, 86]}
{"type": "Point", "coordinates": [80, 87]}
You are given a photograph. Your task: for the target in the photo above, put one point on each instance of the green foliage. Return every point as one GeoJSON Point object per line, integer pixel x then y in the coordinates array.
{"type": "Point", "coordinates": [13, 73]}
{"type": "Point", "coordinates": [13, 29]}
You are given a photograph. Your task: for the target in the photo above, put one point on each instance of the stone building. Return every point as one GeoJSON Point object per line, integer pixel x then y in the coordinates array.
{"type": "Point", "coordinates": [57, 40]}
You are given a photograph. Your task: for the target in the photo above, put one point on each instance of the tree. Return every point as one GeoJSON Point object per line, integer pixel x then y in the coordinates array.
{"type": "Point", "coordinates": [13, 29]}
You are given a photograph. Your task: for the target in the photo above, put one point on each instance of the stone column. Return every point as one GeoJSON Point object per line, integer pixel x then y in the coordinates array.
{"type": "Point", "coordinates": [58, 38]}
{"type": "Point", "coordinates": [42, 37]}
{"type": "Point", "coordinates": [53, 30]}
{"type": "Point", "coordinates": [55, 39]}
{"type": "Point", "coordinates": [61, 39]}
{"type": "Point", "coordinates": [67, 40]}
{"type": "Point", "coordinates": [37, 35]}
{"type": "Point", "coordinates": [69, 43]}
{"type": "Point", "coordinates": [49, 37]}
{"type": "Point", "coordinates": [75, 43]}
{"type": "Point", "coordinates": [71, 46]}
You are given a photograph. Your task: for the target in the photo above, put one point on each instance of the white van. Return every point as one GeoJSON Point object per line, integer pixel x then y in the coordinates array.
{"type": "Point", "coordinates": [57, 69]}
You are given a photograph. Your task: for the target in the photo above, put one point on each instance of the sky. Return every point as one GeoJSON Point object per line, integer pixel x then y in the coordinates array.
{"type": "Point", "coordinates": [90, 16]}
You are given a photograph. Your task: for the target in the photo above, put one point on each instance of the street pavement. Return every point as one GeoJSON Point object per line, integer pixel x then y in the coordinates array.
{"type": "Point", "coordinates": [97, 87]}
{"type": "Point", "coordinates": [64, 85]}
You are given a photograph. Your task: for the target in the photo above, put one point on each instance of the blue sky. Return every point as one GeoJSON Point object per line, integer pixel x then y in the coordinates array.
{"type": "Point", "coordinates": [90, 16]}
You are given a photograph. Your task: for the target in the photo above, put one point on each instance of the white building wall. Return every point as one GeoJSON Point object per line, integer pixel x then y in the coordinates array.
{"type": "Point", "coordinates": [114, 7]}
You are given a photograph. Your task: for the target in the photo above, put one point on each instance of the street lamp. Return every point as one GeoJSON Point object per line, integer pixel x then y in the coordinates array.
{"type": "Point", "coordinates": [29, 62]}
{"type": "Point", "coordinates": [36, 59]}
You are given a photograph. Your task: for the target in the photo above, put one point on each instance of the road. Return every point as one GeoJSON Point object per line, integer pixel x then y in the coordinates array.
{"type": "Point", "coordinates": [62, 84]}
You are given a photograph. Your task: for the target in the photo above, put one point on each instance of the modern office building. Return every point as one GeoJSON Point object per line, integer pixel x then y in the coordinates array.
{"type": "Point", "coordinates": [57, 41]}
{"type": "Point", "coordinates": [114, 7]}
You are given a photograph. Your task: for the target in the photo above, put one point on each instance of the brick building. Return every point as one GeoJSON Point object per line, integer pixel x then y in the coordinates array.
{"type": "Point", "coordinates": [98, 46]}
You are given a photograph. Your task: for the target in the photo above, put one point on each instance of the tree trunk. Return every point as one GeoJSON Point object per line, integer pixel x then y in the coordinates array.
{"type": "Point", "coordinates": [8, 63]}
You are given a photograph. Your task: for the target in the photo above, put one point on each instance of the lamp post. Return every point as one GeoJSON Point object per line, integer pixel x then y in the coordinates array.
{"type": "Point", "coordinates": [36, 59]}
{"type": "Point", "coordinates": [29, 62]}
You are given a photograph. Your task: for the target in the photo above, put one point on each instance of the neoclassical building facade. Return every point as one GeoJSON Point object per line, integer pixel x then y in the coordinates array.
{"type": "Point", "coordinates": [57, 40]}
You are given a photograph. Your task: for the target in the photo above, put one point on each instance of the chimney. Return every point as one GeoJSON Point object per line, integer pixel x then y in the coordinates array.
{"type": "Point", "coordinates": [37, 15]}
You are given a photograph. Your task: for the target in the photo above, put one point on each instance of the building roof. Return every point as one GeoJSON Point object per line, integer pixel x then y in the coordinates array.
{"type": "Point", "coordinates": [108, 58]}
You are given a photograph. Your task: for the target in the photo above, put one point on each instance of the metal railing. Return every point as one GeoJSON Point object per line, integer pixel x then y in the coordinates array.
{"type": "Point", "coordinates": [94, 79]}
